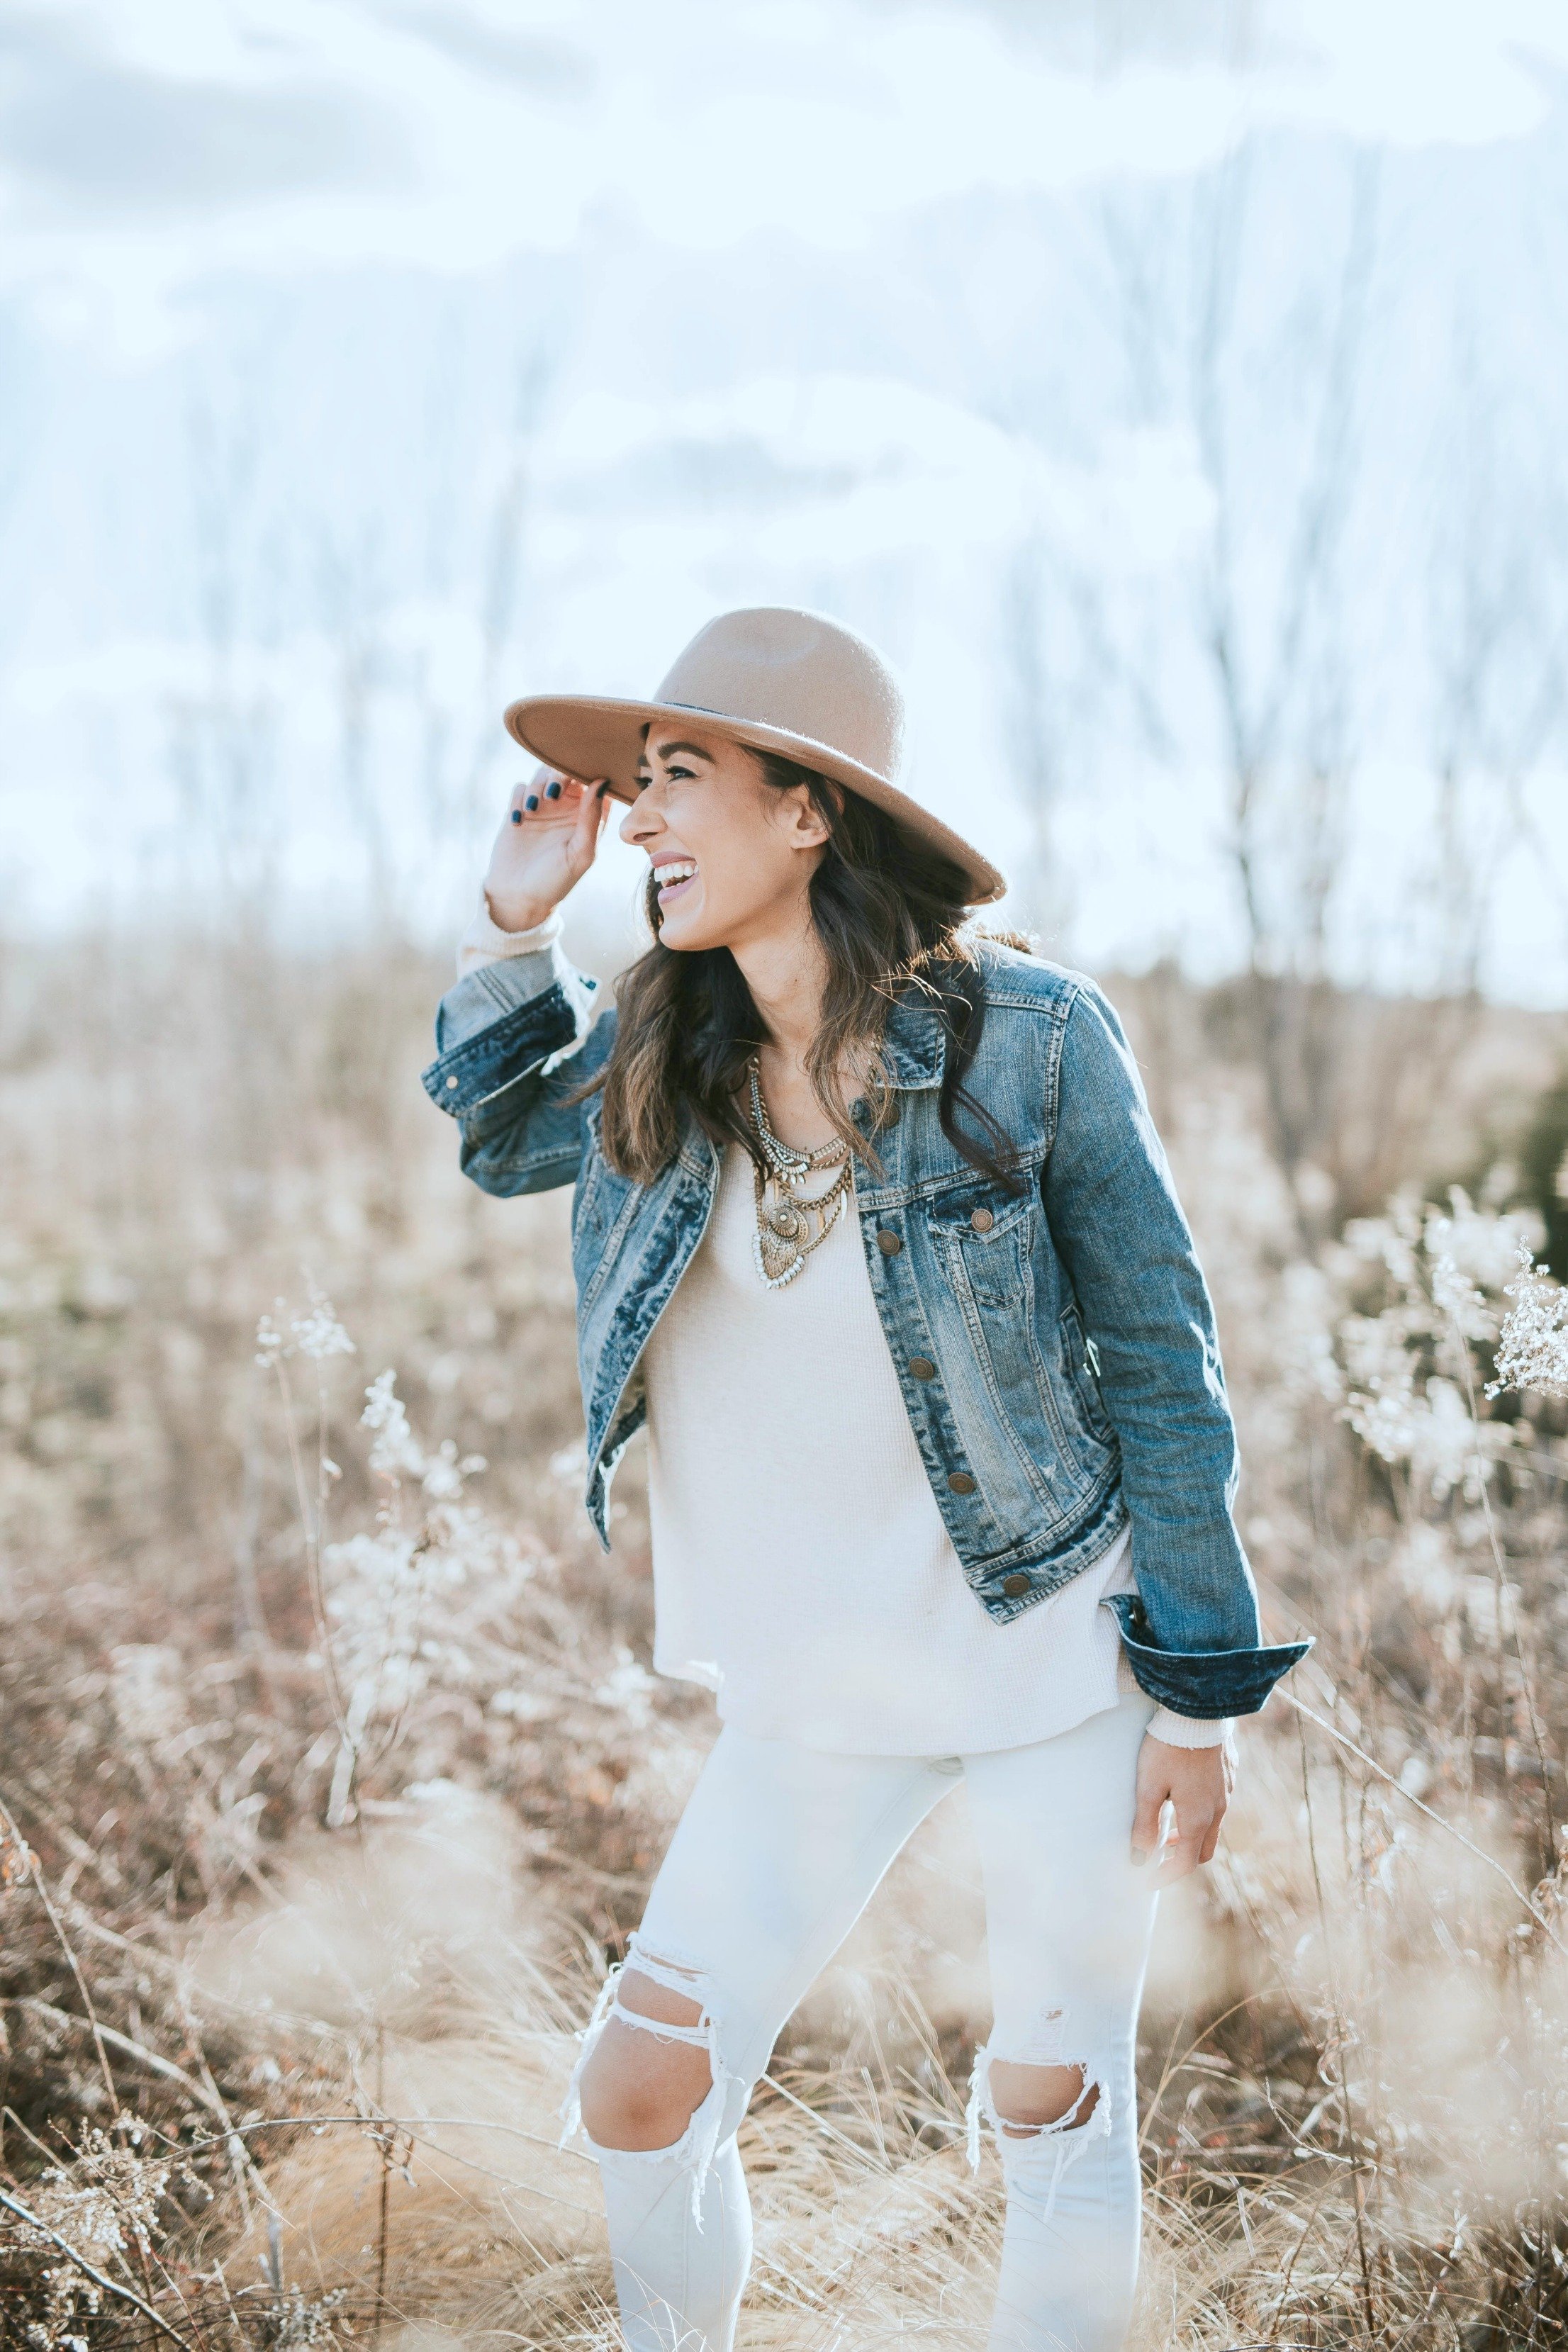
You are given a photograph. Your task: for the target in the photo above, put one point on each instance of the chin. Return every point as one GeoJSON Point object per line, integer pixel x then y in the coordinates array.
{"type": "Point", "coordinates": [684, 932]}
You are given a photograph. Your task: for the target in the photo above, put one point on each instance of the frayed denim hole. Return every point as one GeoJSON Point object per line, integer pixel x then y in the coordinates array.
{"type": "Point", "coordinates": [694, 2149]}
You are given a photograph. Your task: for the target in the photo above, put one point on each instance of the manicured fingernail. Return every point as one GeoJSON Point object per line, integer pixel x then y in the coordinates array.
{"type": "Point", "coordinates": [517, 817]}
{"type": "Point", "coordinates": [600, 789]}
{"type": "Point", "coordinates": [553, 792]}
{"type": "Point", "coordinates": [531, 802]}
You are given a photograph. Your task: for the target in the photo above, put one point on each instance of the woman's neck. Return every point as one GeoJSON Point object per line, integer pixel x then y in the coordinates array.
{"type": "Point", "coordinates": [786, 972]}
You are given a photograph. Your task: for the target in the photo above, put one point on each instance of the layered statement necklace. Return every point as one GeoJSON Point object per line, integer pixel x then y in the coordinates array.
{"type": "Point", "coordinates": [790, 1223]}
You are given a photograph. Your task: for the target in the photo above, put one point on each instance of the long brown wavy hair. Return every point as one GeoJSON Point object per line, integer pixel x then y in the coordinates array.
{"type": "Point", "coordinates": [890, 913]}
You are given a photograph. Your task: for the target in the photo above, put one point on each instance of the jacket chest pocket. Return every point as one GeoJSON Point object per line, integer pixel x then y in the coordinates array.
{"type": "Point", "coordinates": [984, 1240]}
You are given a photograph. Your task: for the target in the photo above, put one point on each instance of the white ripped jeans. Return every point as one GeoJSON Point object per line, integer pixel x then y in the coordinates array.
{"type": "Point", "coordinates": [775, 1857]}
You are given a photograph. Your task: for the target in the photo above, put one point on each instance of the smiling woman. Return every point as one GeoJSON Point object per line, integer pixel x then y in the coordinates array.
{"type": "Point", "coordinates": [731, 835]}
{"type": "Point", "coordinates": [872, 1230]}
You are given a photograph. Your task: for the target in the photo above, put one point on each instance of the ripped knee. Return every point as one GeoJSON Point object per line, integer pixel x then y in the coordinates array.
{"type": "Point", "coordinates": [1033, 2099]}
{"type": "Point", "coordinates": [648, 2059]}
{"type": "Point", "coordinates": [1045, 2095]}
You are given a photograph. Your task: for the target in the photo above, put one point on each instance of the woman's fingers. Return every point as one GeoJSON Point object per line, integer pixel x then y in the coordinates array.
{"type": "Point", "coordinates": [1196, 1782]}
{"type": "Point", "coordinates": [1146, 1819]}
{"type": "Point", "coordinates": [592, 810]}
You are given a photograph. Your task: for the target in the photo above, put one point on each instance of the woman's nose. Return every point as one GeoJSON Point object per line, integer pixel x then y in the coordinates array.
{"type": "Point", "coordinates": [639, 821]}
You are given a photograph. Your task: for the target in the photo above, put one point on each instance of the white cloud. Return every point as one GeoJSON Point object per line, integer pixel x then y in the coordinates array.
{"type": "Point", "coordinates": [469, 136]}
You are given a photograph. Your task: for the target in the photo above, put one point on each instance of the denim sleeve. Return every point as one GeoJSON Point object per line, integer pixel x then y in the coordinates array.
{"type": "Point", "coordinates": [514, 1039]}
{"type": "Point", "coordinates": [1191, 1631]}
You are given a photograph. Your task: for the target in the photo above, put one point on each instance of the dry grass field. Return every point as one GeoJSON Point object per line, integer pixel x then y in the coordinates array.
{"type": "Point", "coordinates": [332, 1774]}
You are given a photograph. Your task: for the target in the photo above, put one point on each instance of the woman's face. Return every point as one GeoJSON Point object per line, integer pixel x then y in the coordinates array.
{"type": "Point", "coordinates": [732, 855]}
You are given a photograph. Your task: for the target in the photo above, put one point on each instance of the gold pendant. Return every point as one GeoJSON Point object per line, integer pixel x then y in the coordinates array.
{"type": "Point", "coordinates": [784, 1237]}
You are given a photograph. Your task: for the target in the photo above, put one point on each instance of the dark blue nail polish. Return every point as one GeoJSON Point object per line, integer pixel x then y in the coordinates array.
{"type": "Point", "coordinates": [531, 802]}
{"type": "Point", "coordinates": [517, 817]}
{"type": "Point", "coordinates": [553, 792]}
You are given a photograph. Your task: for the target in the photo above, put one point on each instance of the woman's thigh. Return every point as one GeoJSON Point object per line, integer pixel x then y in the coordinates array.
{"type": "Point", "coordinates": [1068, 1913]}
{"type": "Point", "coordinates": [777, 1854]}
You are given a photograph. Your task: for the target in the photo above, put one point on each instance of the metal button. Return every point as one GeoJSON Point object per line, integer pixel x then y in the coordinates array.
{"type": "Point", "coordinates": [889, 1243]}
{"type": "Point", "coordinates": [961, 1481]}
{"type": "Point", "coordinates": [450, 1084]}
{"type": "Point", "coordinates": [921, 1368]}
{"type": "Point", "coordinates": [1013, 1586]}
{"type": "Point", "coordinates": [982, 1220]}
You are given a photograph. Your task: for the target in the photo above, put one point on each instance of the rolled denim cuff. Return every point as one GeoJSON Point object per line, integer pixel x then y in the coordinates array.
{"type": "Point", "coordinates": [495, 1057]}
{"type": "Point", "coordinates": [1203, 1683]}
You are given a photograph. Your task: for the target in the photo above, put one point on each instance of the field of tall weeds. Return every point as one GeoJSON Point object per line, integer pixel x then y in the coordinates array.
{"type": "Point", "coordinates": [332, 1774]}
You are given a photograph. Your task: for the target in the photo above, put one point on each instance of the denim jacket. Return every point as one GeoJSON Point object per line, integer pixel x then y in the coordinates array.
{"type": "Point", "coordinates": [1076, 1383]}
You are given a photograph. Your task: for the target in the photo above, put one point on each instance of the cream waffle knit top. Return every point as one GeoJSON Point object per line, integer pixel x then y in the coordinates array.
{"type": "Point", "coordinates": [801, 1566]}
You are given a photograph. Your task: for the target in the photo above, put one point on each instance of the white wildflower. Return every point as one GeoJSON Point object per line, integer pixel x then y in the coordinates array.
{"type": "Point", "coordinates": [319, 1334]}
{"type": "Point", "coordinates": [1532, 1347]}
{"type": "Point", "coordinates": [1390, 1240]}
{"type": "Point", "coordinates": [442, 1479]}
{"type": "Point", "coordinates": [1455, 1294]}
{"type": "Point", "coordinates": [1431, 1429]}
{"type": "Point", "coordinates": [1481, 1242]}
{"type": "Point", "coordinates": [396, 1452]}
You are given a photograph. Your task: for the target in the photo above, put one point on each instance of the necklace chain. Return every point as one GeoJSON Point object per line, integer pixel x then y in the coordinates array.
{"type": "Point", "coordinates": [790, 1227]}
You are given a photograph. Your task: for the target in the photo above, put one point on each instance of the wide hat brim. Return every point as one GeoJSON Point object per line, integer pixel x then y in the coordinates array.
{"type": "Point", "coordinates": [589, 736]}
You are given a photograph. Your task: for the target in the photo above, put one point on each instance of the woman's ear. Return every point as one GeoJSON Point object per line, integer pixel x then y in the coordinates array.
{"type": "Point", "coordinates": [807, 827]}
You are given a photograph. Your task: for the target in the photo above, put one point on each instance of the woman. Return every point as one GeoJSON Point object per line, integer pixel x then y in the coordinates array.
{"type": "Point", "coordinates": [871, 1227]}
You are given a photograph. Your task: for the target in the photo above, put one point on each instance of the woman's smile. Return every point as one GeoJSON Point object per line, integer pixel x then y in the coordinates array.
{"type": "Point", "coordinates": [673, 877]}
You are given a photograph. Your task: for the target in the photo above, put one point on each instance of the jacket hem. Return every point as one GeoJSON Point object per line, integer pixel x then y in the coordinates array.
{"type": "Point", "coordinates": [1049, 1573]}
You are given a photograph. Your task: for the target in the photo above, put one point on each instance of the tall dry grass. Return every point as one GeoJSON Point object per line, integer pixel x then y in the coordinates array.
{"type": "Point", "coordinates": [329, 1791]}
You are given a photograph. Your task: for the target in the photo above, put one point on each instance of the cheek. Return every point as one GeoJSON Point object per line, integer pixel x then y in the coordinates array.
{"type": "Point", "coordinates": [745, 874]}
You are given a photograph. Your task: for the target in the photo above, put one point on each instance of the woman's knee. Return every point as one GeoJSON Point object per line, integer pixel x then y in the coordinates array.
{"type": "Point", "coordinates": [1031, 2099]}
{"type": "Point", "coordinates": [637, 2092]}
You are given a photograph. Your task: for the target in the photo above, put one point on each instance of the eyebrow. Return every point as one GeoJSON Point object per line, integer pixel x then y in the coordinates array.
{"type": "Point", "coordinates": [695, 750]}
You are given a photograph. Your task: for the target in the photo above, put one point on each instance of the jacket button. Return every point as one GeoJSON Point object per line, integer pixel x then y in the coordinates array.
{"type": "Point", "coordinates": [921, 1368]}
{"type": "Point", "coordinates": [450, 1084]}
{"type": "Point", "coordinates": [1013, 1586]}
{"type": "Point", "coordinates": [959, 1482]}
{"type": "Point", "coordinates": [889, 1243]}
{"type": "Point", "coordinates": [982, 1220]}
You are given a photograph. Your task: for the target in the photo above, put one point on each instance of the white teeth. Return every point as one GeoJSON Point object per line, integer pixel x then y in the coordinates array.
{"type": "Point", "coordinates": [679, 870]}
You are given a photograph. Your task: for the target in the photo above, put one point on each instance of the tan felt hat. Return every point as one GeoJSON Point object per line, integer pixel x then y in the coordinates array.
{"type": "Point", "coordinates": [780, 680]}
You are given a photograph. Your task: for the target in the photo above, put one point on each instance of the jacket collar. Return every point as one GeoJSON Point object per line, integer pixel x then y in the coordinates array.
{"type": "Point", "coordinates": [915, 1044]}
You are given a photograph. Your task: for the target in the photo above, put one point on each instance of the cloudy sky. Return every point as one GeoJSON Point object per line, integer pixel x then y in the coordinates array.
{"type": "Point", "coordinates": [1175, 391]}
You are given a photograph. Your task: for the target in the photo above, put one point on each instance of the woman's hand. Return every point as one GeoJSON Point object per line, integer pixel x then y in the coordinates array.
{"type": "Point", "coordinates": [1196, 1782]}
{"type": "Point", "coordinates": [547, 842]}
